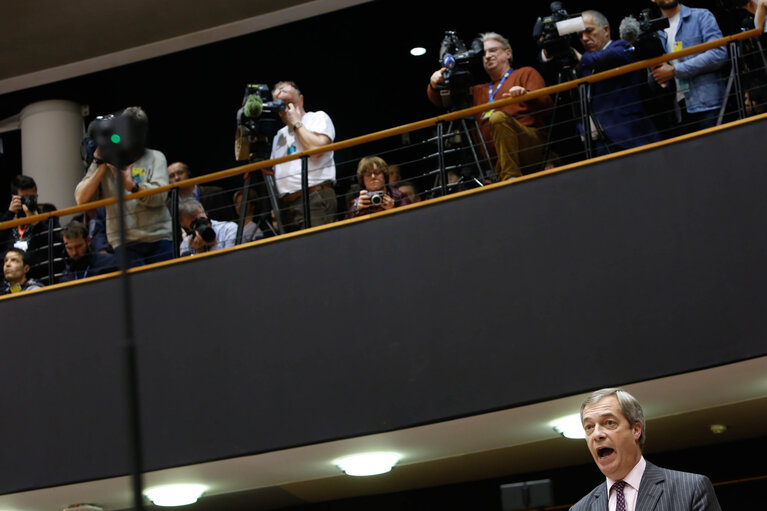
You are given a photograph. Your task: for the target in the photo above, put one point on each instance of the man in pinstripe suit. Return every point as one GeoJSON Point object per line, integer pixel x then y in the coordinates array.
{"type": "Point", "coordinates": [615, 434]}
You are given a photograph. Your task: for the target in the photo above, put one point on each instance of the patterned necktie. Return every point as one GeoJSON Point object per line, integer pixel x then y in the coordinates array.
{"type": "Point", "coordinates": [620, 499]}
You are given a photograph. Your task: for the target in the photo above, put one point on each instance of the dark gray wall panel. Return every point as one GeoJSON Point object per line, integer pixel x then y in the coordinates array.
{"type": "Point", "coordinates": [516, 295]}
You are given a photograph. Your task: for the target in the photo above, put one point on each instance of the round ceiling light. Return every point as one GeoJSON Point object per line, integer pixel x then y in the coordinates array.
{"type": "Point", "coordinates": [570, 426]}
{"type": "Point", "coordinates": [368, 464]}
{"type": "Point", "coordinates": [175, 494]}
{"type": "Point", "coordinates": [418, 51]}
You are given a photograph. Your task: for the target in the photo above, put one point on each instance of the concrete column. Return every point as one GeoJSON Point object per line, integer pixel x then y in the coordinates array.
{"type": "Point", "coordinates": [51, 132]}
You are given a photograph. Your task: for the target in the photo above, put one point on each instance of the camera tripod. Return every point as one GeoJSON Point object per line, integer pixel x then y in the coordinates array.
{"type": "Point", "coordinates": [463, 136]}
{"type": "Point", "coordinates": [581, 115]}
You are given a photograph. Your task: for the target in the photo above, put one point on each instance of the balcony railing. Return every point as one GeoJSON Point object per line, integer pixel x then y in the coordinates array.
{"type": "Point", "coordinates": [436, 156]}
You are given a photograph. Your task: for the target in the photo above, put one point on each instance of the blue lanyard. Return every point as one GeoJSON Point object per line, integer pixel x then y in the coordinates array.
{"type": "Point", "coordinates": [85, 273]}
{"type": "Point", "coordinates": [490, 93]}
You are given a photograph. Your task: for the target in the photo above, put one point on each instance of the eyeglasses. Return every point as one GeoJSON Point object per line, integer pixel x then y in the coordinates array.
{"type": "Point", "coordinates": [373, 172]}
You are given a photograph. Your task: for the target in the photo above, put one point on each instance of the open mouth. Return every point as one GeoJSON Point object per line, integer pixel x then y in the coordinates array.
{"type": "Point", "coordinates": [604, 452]}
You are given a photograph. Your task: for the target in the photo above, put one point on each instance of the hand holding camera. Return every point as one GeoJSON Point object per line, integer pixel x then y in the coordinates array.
{"type": "Point", "coordinates": [375, 199]}
{"type": "Point", "coordinates": [202, 236]}
{"type": "Point", "coordinates": [23, 203]}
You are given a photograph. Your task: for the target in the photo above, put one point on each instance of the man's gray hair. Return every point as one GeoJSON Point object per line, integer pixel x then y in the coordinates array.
{"type": "Point", "coordinates": [630, 408]}
{"type": "Point", "coordinates": [599, 18]}
{"type": "Point", "coordinates": [190, 207]}
{"type": "Point", "coordinates": [497, 37]}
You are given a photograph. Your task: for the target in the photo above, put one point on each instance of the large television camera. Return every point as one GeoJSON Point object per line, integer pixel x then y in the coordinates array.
{"type": "Point", "coordinates": [643, 35]}
{"type": "Point", "coordinates": [258, 120]}
{"type": "Point", "coordinates": [557, 33]}
{"type": "Point", "coordinates": [120, 138]}
{"type": "Point", "coordinates": [458, 61]}
{"type": "Point", "coordinates": [260, 114]}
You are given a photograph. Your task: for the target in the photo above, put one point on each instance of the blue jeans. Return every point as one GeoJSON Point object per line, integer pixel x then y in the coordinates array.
{"type": "Point", "coordinates": [142, 252]}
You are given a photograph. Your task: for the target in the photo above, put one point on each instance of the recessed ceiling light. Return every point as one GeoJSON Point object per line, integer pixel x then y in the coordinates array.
{"type": "Point", "coordinates": [368, 464]}
{"type": "Point", "coordinates": [175, 494]}
{"type": "Point", "coordinates": [570, 426]}
{"type": "Point", "coordinates": [418, 51]}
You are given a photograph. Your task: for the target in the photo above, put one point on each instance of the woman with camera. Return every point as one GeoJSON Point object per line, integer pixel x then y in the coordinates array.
{"type": "Point", "coordinates": [376, 194]}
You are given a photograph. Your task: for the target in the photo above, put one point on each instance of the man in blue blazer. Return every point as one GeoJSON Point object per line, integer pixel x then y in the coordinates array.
{"type": "Point", "coordinates": [619, 119]}
{"type": "Point", "coordinates": [615, 432]}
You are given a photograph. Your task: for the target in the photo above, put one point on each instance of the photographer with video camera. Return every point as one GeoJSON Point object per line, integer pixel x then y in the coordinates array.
{"type": "Point", "coordinates": [618, 120]}
{"type": "Point", "coordinates": [123, 164]}
{"type": "Point", "coordinates": [204, 234]}
{"type": "Point", "coordinates": [31, 238]}
{"type": "Point", "coordinates": [516, 129]}
{"type": "Point", "coordinates": [700, 88]}
{"type": "Point", "coordinates": [303, 131]}
{"type": "Point", "coordinates": [376, 194]}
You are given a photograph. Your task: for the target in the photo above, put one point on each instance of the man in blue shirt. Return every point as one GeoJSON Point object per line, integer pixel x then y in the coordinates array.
{"type": "Point", "coordinates": [699, 85]}
{"type": "Point", "coordinates": [204, 234]}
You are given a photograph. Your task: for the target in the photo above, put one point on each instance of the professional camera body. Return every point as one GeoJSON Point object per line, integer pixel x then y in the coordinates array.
{"type": "Point", "coordinates": [376, 198]}
{"type": "Point", "coordinates": [203, 227]}
{"type": "Point", "coordinates": [258, 120]}
{"type": "Point", "coordinates": [643, 35]}
{"type": "Point", "coordinates": [458, 60]}
{"type": "Point", "coordinates": [260, 114]}
{"type": "Point", "coordinates": [120, 138]}
{"type": "Point", "coordinates": [30, 201]}
{"type": "Point", "coordinates": [557, 33]}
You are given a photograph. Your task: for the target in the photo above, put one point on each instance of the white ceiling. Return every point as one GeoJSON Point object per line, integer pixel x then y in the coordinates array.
{"type": "Point", "coordinates": [679, 411]}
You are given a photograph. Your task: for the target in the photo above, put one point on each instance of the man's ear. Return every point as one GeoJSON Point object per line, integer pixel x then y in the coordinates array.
{"type": "Point", "coordinates": [637, 430]}
{"type": "Point", "coordinates": [27, 268]}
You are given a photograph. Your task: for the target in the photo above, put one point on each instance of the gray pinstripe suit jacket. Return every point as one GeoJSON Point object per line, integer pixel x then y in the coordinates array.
{"type": "Point", "coordinates": [661, 490]}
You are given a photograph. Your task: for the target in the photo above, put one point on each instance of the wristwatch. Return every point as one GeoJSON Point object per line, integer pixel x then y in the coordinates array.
{"type": "Point", "coordinates": [297, 125]}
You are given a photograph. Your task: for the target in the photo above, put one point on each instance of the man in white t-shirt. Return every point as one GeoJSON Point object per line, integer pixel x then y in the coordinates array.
{"type": "Point", "coordinates": [303, 131]}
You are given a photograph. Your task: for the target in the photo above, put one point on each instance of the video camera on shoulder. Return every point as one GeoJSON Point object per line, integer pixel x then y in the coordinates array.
{"type": "Point", "coordinates": [458, 61]}
{"type": "Point", "coordinates": [120, 138]}
{"type": "Point", "coordinates": [643, 35]}
{"type": "Point", "coordinates": [557, 33]}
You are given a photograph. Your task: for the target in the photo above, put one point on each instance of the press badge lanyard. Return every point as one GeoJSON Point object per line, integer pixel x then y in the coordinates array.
{"type": "Point", "coordinates": [491, 94]}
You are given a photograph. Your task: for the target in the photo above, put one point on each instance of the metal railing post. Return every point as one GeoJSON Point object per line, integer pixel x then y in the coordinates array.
{"type": "Point", "coordinates": [441, 156]}
{"type": "Point", "coordinates": [174, 221]}
{"type": "Point", "coordinates": [243, 208]}
{"type": "Point", "coordinates": [305, 191]}
{"type": "Point", "coordinates": [50, 250]}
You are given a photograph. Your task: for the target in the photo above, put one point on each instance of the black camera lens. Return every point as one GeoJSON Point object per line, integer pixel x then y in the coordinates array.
{"type": "Point", "coordinates": [204, 228]}
{"type": "Point", "coordinates": [30, 201]}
